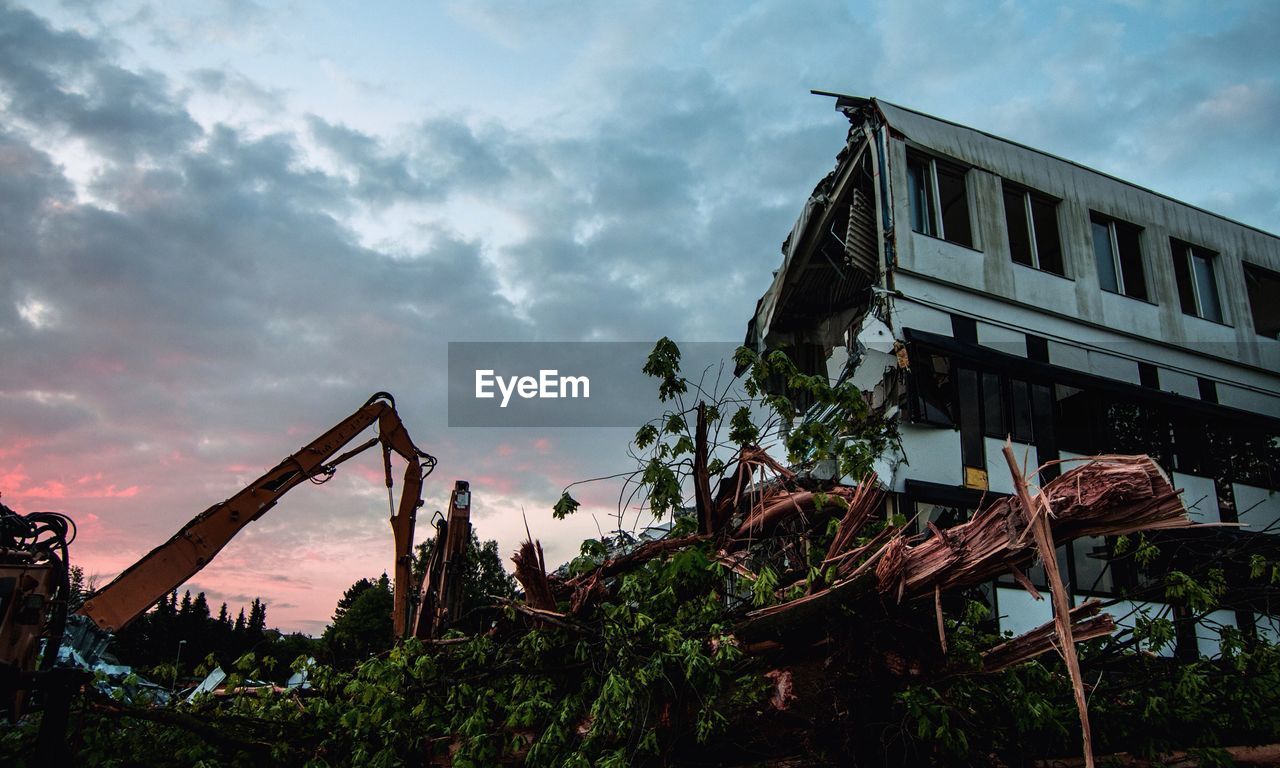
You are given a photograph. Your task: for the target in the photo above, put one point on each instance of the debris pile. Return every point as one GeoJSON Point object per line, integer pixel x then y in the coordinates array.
{"type": "Point", "coordinates": [766, 518]}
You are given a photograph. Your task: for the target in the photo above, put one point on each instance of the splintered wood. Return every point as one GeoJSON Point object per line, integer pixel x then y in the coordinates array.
{"type": "Point", "coordinates": [1108, 496]}
{"type": "Point", "coordinates": [764, 514]}
{"type": "Point", "coordinates": [1105, 496]}
{"type": "Point", "coordinates": [531, 572]}
{"type": "Point", "coordinates": [1086, 623]}
{"type": "Point", "coordinates": [1037, 513]}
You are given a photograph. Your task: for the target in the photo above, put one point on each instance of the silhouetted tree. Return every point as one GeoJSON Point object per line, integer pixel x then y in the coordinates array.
{"type": "Point", "coordinates": [362, 623]}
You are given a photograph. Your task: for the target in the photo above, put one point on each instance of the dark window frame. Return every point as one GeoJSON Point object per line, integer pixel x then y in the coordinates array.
{"type": "Point", "coordinates": [1027, 198]}
{"type": "Point", "coordinates": [1190, 291]}
{"type": "Point", "coordinates": [1254, 274]}
{"type": "Point", "coordinates": [924, 191]}
{"type": "Point", "coordinates": [1121, 267]}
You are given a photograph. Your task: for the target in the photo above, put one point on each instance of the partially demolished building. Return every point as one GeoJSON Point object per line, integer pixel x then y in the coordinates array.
{"type": "Point", "coordinates": [979, 289]}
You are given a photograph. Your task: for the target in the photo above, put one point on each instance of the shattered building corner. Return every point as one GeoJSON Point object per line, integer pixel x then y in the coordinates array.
{"type": "Point", "coordinates": [976, 289]}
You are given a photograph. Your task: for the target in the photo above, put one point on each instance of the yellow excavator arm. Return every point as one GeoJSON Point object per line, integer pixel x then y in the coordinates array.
{"type": "Point", "coordinates": [169, 565]}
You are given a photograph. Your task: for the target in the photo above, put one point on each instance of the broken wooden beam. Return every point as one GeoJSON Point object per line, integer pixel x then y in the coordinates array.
{"type": "Point", "coordinates": [636, 557]}
{"type": "Point", "coordinates": [1037, 513]}
{"type": "Point", "coordinates": [862, 505]}
{"type": "Point", "coordinates": [777, 507]}
{"type": "Point", "coordinates": [1108, 496]}
{"type": "Point", "coordinates": [1086, 624]}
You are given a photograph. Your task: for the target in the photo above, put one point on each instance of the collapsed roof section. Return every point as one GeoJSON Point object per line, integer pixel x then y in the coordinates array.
{"type": "Point", "coordinates": [831, 259]}
{"type": "Point", "coordinates": [833, 256]}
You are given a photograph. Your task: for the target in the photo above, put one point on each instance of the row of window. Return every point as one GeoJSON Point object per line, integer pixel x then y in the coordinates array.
{"type": "Point", "coordinates": [940, 208]}
{"type": "Point", "coordinates": [984, 402]}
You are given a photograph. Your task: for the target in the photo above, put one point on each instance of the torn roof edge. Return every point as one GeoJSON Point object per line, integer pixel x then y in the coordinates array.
{"type": "Point", "coordinates": [845, 101]}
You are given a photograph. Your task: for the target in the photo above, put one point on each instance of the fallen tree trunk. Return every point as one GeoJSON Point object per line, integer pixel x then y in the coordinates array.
{"type": "Point", "coordinates": [1108, 496]}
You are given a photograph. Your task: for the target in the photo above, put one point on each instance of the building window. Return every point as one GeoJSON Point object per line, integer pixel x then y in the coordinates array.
{"type": "Point", "coordinates": [969, 404]}
{"type": "Point", "coordinates": [933, 400]}
{"type": "Point", "coordinates": [1264, 300]}
{"type": "Point", "coordinates": [942, 516]}
{"type": "Point", "coordinates": [1119, 258]}
{"type": "Point", "coordinates": [1032, 221]}
{"type": "Point", "coordinates": [1194, 269]}
{"type": "Point", "coordinates": [939, 200]}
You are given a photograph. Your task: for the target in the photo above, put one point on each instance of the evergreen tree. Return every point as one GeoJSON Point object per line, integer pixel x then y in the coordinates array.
{"type": "Point", "coordinates": [257, 618]}
{"type": "Point", "coordinates": [200, 608]}
{"type": "Point", "coordinates": [223, 618]}
{"type": "Point", "coordinates": [78, 590]}
{"type": "Point", "coordinates": [240, 623]}
{"type": "Point", "coordinates": [362, 623]}
{"type": "Point", "coordinates": [349, 597]}
{"type": "Point", "coordinates": [167, 604]}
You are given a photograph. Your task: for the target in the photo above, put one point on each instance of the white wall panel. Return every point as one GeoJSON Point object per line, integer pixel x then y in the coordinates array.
{"type": "Point", "coordinates": [1068, 356]}
{"type": "Point", "coordinates": [932, 454]}
{"type": "Point", "coordinates": [1002, 339]}
{"type": "Point", "coordinates": [1179, 383]}
{"type": "Point", "coordinates": [1257, 508]}
{"type": "Point", "coordinates": [1200, 496]}
{"type": "Point", "coordinates": [1208, 641]}
{"type": "Point", "coordinates": [908, 314]}
{"type": "Point", "coordinates": [1020, 612]}
{"type": "Point", "coordinates": [1112, 367]}
{"type": "Point", "coordinates": [1248, 400]}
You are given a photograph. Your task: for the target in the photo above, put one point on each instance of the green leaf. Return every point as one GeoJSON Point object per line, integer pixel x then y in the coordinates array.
{"type": "Point", "coordinates": [566, 506]}
{"type": "Point", "coordinates": [742, 430]}
{"type": "Point", "coordinates": [646, 436]}
{"type": "Point", "coordinates": [664, 364]}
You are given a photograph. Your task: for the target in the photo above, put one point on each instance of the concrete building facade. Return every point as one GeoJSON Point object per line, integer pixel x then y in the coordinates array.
{"type": "Point", "coordinates": [978, 289]}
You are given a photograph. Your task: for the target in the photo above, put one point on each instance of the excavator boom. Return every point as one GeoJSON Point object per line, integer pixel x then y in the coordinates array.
{"type": "Point", "coordinates": [169, 565]}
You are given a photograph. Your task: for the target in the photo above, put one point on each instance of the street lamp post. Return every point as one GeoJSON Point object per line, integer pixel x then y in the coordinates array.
{"type": "Point", "coordinates": [176, 662]}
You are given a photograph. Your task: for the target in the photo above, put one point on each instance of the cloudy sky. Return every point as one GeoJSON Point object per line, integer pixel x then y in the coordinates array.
{"type": "Point", "coordinates": [221, 229]}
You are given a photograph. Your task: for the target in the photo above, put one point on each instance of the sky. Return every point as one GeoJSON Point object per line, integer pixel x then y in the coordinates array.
{"type": "Point", "coordinates": [224, 225]}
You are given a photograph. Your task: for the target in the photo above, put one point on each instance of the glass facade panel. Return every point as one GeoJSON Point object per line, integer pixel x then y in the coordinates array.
{"type": "Point", "coordinates": [1104, 257]}
{"type": "Point", "coordinates": [1182, 275]}
{"type": "Point", "coordinates": [953, 202]}
{"type": "Point", "coordinates": [1015, 216]}
{"type": "Point", "coordinates": [1044, 214]}
{"type": "Point", "coordinates": [1206, 286]}
{"type": "Point", "coordinates": [920, 186]}
{"type": "Point", "coordinates": [1129, 252]}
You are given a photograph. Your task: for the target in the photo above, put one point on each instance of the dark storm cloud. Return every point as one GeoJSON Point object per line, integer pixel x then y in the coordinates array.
{"type": "Point", "coordinates": [60, 80]}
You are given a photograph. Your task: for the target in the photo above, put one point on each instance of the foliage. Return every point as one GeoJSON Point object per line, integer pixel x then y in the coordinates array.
{"type": "Point", "coordinates": [362, 621]}
{"type": "Point", "coordinates": [653, 666]}
{"type": "Point", "coordinates": [1139, 703]}
{"type": "Point", "coordinates": [836, 426]}
{"type": "Point", "coordinates": [154, 638]}
{"type": "Point", "coordinates": [647, 672]}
